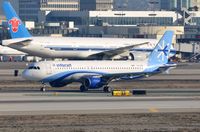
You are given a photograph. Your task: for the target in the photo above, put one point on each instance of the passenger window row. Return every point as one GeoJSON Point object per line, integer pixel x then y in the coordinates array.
{"type": "Point", "coordinates": [118, 68]}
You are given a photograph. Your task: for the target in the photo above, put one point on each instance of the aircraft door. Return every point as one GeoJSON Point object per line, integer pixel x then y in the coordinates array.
{"type": "Point", "coordinates": [49, 69]}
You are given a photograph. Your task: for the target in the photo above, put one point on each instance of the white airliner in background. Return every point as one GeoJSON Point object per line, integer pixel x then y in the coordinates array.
{"type": "Point", "coordinates": [10, 52]}
{"type": "Point", "coordinates": [97, 74]}
{"type": "Point", "coordinates": [72, 47]}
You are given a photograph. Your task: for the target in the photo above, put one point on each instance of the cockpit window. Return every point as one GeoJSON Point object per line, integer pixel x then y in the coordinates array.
{"type": "Point", "coordinates": [30, 67]}
{"type": "Point", "coordinates": [34, 67]}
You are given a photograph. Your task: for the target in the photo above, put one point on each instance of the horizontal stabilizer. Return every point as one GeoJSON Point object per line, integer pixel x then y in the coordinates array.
{"type": "Point", "coordinates": [18, 41]}
{"type": "Point", "coordinates": [169, 65]}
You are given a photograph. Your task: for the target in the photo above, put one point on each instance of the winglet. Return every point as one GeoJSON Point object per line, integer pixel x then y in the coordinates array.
{"type": "Point", "coordinates": [16, 27]}
{"type": "Point", "coordinates": [160, 54]}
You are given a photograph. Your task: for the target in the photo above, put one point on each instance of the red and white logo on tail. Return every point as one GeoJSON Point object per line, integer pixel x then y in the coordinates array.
{"type": "Point", "coordinates": [14, 22]}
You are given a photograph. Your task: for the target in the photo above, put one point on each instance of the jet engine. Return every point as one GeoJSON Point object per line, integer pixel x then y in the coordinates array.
{"type": "Point", "coordinates": [93, 83]}
{"type": "Point", "coordinates": [138, 55]}
{"type": "Point", "coordinates": [133, 55]}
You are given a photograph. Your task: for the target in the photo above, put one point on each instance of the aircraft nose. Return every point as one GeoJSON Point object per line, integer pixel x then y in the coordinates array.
{"type": "Point", "coordinates": [31, 75]}
{"type": "Point", "coordinates": [26, 75]}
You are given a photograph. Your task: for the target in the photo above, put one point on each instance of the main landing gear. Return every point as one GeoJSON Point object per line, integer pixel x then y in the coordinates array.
{"type": "Point", "coordinates": [83, 88]}
{"type": "Point", "coordinates": [106, 89]}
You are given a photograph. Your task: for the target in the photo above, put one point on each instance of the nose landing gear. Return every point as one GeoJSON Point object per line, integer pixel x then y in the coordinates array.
{"type": "Point", "coordinates": [43, 88]}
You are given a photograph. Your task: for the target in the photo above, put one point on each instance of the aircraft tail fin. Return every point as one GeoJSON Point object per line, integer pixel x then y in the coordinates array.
{"type": "Point", "coordinates": [160, 54]}
{"type": "Point", "coordinates": [16, 27]}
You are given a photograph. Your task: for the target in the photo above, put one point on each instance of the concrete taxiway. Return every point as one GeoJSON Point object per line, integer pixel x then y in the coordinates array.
{"type": "Point", "coordinates": [92, 103]}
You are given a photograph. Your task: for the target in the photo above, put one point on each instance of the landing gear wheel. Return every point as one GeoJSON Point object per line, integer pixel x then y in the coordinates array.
{"type": "Point", "coordinates": [106, 89]}
{"type": "Point", "coordinates": [83, 88]}
{"type": "Point", "coordinates": [43, 89]}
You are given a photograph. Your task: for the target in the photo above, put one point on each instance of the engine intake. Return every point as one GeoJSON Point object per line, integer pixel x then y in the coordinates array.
{"type": "Point", "coordinates": [93, 83]}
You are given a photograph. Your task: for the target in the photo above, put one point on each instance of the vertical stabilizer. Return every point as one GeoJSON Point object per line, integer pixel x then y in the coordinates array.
{"type": "Point", "coordinates": [161, 52]}
{"type": "Point", "coordinates": [16, 27]}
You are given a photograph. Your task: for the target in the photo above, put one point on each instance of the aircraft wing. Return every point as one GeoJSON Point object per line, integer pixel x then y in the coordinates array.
{"type": "Point", "coordinates": [111, 53]}
{"type": "Point", "coordinates": [16, 42]}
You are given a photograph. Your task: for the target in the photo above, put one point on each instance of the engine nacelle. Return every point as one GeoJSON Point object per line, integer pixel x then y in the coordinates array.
{"type": "Point", "coordinates": [133, 55]}
{"type": "Point", "coordinates": [93, 83]}
{"type": "Point", "coordinates": [57, 84]}
{"type": "Point", "coordinates": [138, 55]}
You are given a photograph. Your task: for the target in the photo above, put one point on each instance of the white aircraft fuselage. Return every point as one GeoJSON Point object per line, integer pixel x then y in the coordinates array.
{"type": "Point", "coordinates": [73, 71]}
{"type": "Point", "coordinates": [76, 47]}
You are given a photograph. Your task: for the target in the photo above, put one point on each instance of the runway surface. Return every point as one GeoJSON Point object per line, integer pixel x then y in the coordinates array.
{"type": "Point", "coordinates": [92, 103]}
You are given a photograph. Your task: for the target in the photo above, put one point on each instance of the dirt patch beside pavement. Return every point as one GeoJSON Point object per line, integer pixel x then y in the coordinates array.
{"type": "Point", "coordinates": [102, 122]}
